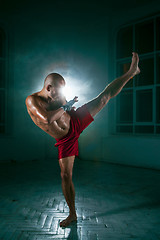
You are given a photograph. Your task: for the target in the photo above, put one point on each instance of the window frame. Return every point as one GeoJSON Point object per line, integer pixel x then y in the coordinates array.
{"type": "Point", "coordinates": [155, 53]}
{"type": "Point", "coordinates": [4, 89]}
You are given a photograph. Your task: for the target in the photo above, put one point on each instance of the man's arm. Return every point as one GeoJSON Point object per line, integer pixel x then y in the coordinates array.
{"type": "Point", "coordinates": [46, 117]}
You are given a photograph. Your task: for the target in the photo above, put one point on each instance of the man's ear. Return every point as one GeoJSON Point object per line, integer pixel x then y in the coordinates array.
{"type": "Point", "coordinates": [48, 87]}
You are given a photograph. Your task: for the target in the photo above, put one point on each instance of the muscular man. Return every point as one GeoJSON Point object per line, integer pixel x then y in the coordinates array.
{"type": "Point", "coordinates": [52, 113]}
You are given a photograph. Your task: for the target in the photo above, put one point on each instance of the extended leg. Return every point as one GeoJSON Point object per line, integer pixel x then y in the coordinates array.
{"type": "Point", "coordinates": [66, 165]}
{"type": "Point", "coordinates": [114, 88]}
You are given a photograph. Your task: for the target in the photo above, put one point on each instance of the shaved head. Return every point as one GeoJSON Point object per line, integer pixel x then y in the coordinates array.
{"type": "Point", "coordinates": [54, 79]}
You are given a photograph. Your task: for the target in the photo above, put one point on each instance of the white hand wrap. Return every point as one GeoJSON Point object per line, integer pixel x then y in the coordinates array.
{"type": "Point", "coordinates": [68, 105]}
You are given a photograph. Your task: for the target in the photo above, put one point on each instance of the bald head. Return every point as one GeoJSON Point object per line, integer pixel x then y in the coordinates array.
{"type": "Point", "coordinates": [54, 79]}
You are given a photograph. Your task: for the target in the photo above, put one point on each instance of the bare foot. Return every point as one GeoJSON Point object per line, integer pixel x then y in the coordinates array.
{"type": "Point", "coordinates": [68, 220]}
{"type": "Point", "coordinates": [134, 69]}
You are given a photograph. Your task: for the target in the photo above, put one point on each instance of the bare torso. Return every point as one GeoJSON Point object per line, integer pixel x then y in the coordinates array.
{"type": "Point", "coordinates": [58, 128]}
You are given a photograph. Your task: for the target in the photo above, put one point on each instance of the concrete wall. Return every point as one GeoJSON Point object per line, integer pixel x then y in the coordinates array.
{"type": "Point", "coordinates": [43, 38]}
{"type": "Point", "coordinates": [139, 150]}
{"type": "Point", "coordinates": [80, 45]}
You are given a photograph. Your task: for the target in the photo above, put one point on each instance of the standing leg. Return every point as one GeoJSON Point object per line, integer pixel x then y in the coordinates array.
{"type": "Point", "coordinates": [114, 88]}
{"type": "Point", "coordinates": [66, 165]}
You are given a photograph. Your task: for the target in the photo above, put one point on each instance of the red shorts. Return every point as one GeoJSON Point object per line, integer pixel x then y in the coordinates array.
{"type": "Point", "coordinates": [68, 145]}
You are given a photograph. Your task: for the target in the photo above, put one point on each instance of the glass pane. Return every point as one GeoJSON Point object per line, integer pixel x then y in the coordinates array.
{"type": "Point", "coordinates": [125, 42]}
{"type": "Point", "coordinates": [125, 106]}
{"type": "Point", "coordinates": [2, 107]}
{"type": "Point", "coordinates": [144, 129]}
{"type": "Point", "coordinates": [158, 33]}
{"type": "Point", "coordinates": [2, 70]}
{"type": "Point", "coordinates": [2, 129]}
{"type": "Point", "coordinates": [144, 37]}
{"type": "Point", "coordinates": [144, 105]}
{"type": "Point", "coordinates": [158, 129]}
{"type": "Point", "coordinates": [158, 104]}
{"type": "Point", "coordinates": [146, 76]}
{"type": "Point", "coordinates": [124, 129]}
{"type": "Point", "coordinates": [1, 43]}
{"type": "Point", "coordinates": [158, 69]}
{"type": "Point", "coordinates": [123, 68]}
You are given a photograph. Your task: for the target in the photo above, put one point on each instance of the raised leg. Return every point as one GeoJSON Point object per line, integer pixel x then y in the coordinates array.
{"type": "Point", "coordinates": [66, 165]}
{"type": "Point", "coordinates": [114, 88]}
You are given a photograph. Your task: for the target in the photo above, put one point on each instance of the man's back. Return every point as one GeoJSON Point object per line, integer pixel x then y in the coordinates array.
{"type": "Point", "coordinates": [40, 110]}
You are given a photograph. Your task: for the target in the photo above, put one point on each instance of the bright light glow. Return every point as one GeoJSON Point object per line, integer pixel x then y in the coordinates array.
{"type": "Point", "coordinates": [78, 82]}
{"type": "Point", "coordinates": [76, 87]}
{"type": "Point", "coordinates": [68, 92]}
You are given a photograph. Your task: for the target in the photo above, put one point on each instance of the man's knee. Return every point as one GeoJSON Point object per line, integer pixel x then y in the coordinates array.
{"type": "Point", "coordinates": [66, 176]}
{"type": "Point", "coordinates": [104, 99]}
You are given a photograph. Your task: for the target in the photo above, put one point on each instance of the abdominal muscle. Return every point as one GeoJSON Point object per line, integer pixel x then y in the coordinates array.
{"type": "Point", "coordinates": [56, 129]}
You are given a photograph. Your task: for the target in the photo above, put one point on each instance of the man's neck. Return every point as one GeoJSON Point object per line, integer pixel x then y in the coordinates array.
{"type": "Point", "coordinates": [44, 96]}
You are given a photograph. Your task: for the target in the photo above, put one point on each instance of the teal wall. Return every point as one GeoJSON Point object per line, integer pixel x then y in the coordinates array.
{"type": "Point", "coordinates": [77, 41]}
{"type": "Point", "coordinates": [139, 150]}
{"type": "Point", "coordinates": [44, 39]}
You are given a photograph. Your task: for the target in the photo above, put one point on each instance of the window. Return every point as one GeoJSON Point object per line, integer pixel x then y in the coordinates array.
{"type": "Point", "coordinates": [2, 81]}
{"type": "Point", "coordinates": [138, 104]}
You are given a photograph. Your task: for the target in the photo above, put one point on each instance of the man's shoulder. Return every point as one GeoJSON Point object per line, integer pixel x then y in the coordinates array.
{"type": "Point", "coordinates": [31, 99]}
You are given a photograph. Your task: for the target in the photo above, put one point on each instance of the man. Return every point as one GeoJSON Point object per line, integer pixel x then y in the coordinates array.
{"type": "Point", "coordinates": [52, 113]}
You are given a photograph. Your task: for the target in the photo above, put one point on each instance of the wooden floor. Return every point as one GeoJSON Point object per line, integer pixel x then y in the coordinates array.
{"type": "Point", "coordinates": [112, 201]}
